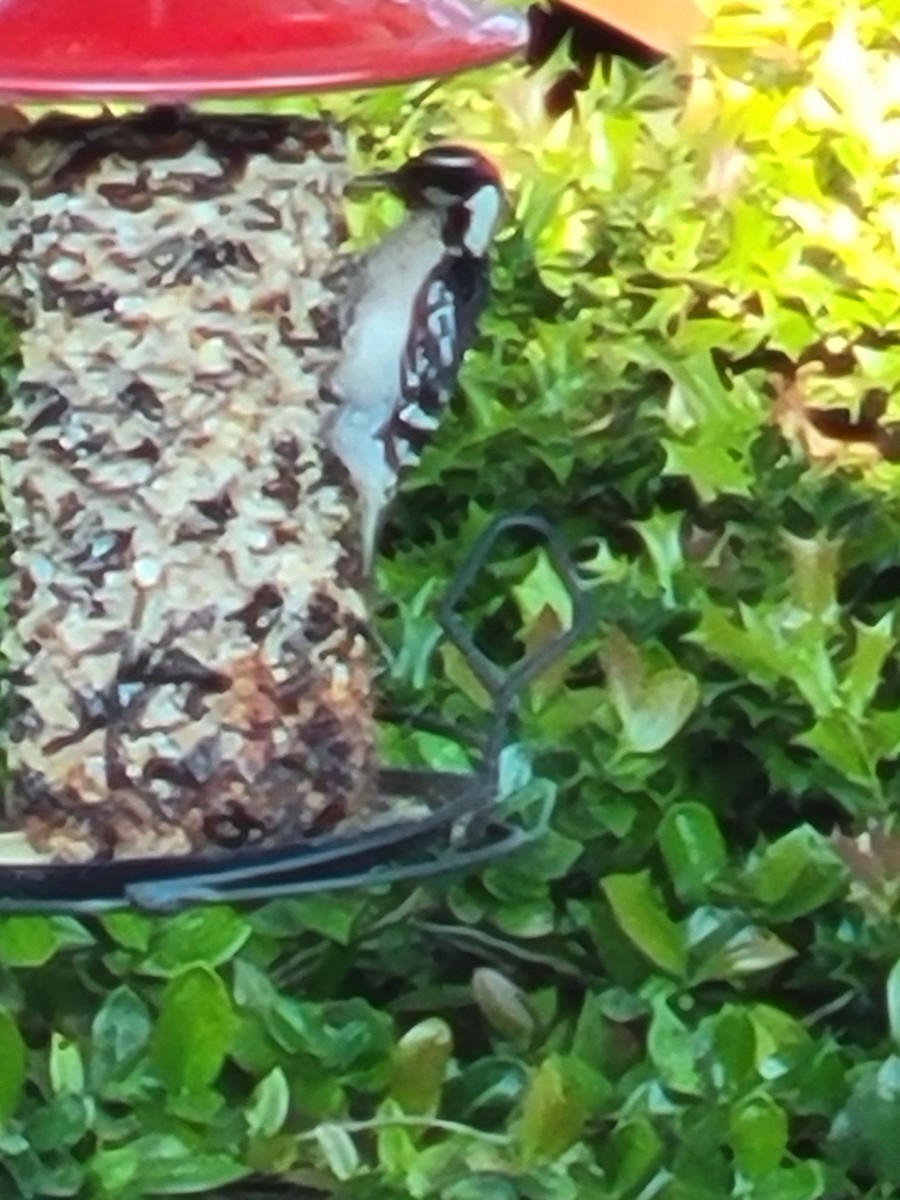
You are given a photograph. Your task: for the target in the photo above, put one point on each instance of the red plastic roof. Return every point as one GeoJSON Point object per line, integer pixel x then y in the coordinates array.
{"type": "Point", "coordinates": [178, 49]}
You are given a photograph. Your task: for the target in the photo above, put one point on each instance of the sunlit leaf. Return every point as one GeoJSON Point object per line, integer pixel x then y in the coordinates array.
{"type": "Point", "coordinates": [193, 1032]}
{"type": "Point", "coordinates": [640, 914]}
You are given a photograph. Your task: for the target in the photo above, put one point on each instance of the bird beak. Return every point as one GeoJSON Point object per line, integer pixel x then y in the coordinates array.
{"type": "Point", "coordinates": [362, 185]}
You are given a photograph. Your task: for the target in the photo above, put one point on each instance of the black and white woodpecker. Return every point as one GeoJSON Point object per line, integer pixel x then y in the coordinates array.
{"type": "Point", "coordinates": [409, 315]}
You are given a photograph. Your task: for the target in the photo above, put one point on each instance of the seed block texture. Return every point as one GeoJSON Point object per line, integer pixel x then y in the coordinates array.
{"type": "Point", "coordinates": [187, 633]}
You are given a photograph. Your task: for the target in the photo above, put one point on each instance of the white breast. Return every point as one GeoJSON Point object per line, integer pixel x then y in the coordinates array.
{"type": "Point", "coordinates": [368, 373]}
{"type": "Point", "coordinates": [485, 210]}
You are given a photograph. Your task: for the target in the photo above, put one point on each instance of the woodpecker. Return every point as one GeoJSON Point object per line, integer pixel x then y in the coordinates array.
{"type": "Point", "coordinates": [408, 317]}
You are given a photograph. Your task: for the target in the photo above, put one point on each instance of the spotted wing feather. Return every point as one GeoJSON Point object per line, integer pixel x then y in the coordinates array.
{"type": "Point", "coordinates": [444, 326]}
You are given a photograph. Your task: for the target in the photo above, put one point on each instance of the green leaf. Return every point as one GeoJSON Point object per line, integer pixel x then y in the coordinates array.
{"type": "Point", "coordinates": [131, 930]}
{"type": "Point", "coordinates": [33, 941]}
{"type": "Point", "coordinates": [333, 917]}
{"type": "Point", "coordinates": [119, 1033]}
{"type": "Point", "coordinates": [193, 1033]}
{"type": "Point", "coordinates": [595, 1041]}
{"type": "Point", "coordinates": [724, 946]}
{"type": "Point", "coordinates": [419, 1065]}
{"type": "Point", "coordinates": [734, 1040]}
{"type": "Point", "coordinates": [161, 1165]}
{"type": "Point", "coordinates": [815, 564]}
{"type": "Point", "coordinates": [842, 743]}
{"type": "Point", "coordinates": [481, 1187]}
{"type": "Point", "coordinates": [670, 1045]}
{"type": "Point", "coordinates": [805, 1181]}
{"type": "Point", "coordinates": [759, 1135]}
{"type": "Point", "coordinates": [542, 588]}
{"type": "Point", "coordinates": [864, 1132]}
{"type": "Point", "coordinates": [551, 857]}
{"type": "Point", "coordinates": [552, 1114]}
{"type": "Point", "coordinates": [28, 941]}
{"type": "Point", "coordinates": [652, 707]}
{"type": "Point", "coordinates": [662, 536]}
{"type": "Point", "coordinates": [462, 676]}
{"type": "Point", "coordinates": [398, 1151]}
{"type": "Point", "coordinates": [777, 1034]}
{"type": "Point", "coordinates": [66, 1066]}
{"type": "Point", "coordinates": [797, 874]}
{"type": "Point", "coordinates": [692, 847]}
{"type": "Point", "coordinates": [190, 1173]}
{"type": "Point", "coordinates": [526, 919]}
{"type": "Point", "coordinates": [61, 1122]}
{"type": "Point", "coordinates": [863, 674]}
{"type": "Point", "coordinates": [635, 1151]}
{"type": "Point", "coordinates": [339, 1151]}
{"type": "Point", "coordinates": [642, 918]}
{"type": "Point", "coordinates": [13, 1065]}
{"type": "Point", "coordinates": [712, 468]}
{"type": "Point", "coordinates": [269, 1105]}
{"type": "Point", "coordinates": [210, 935]}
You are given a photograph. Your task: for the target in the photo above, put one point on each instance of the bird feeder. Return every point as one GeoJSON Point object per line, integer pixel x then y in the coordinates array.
{"type": "Point", "coordinates": [186, 636]}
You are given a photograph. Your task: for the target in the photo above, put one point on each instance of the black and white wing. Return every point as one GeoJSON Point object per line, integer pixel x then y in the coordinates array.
{"type": "Point", "coordinates": [444, 325]}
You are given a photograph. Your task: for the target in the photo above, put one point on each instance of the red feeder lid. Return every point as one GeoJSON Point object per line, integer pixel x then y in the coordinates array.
{"type": "Point", "coordinates": [171, 50]}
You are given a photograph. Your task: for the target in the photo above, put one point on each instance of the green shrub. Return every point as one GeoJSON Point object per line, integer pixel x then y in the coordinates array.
{"type": "Point", "coordinates": [688, 990]}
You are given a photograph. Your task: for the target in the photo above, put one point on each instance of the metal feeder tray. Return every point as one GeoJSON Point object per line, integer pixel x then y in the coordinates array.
{"type": "Point", "coordinates": [470, 820]}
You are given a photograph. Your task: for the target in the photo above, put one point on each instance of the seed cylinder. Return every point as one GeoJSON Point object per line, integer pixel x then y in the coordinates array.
{"type": "Point", "coordinates": [186, 636]}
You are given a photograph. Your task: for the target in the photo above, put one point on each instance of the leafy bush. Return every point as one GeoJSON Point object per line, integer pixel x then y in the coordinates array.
{"type": "Point", "coordinates": [689, 988]}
